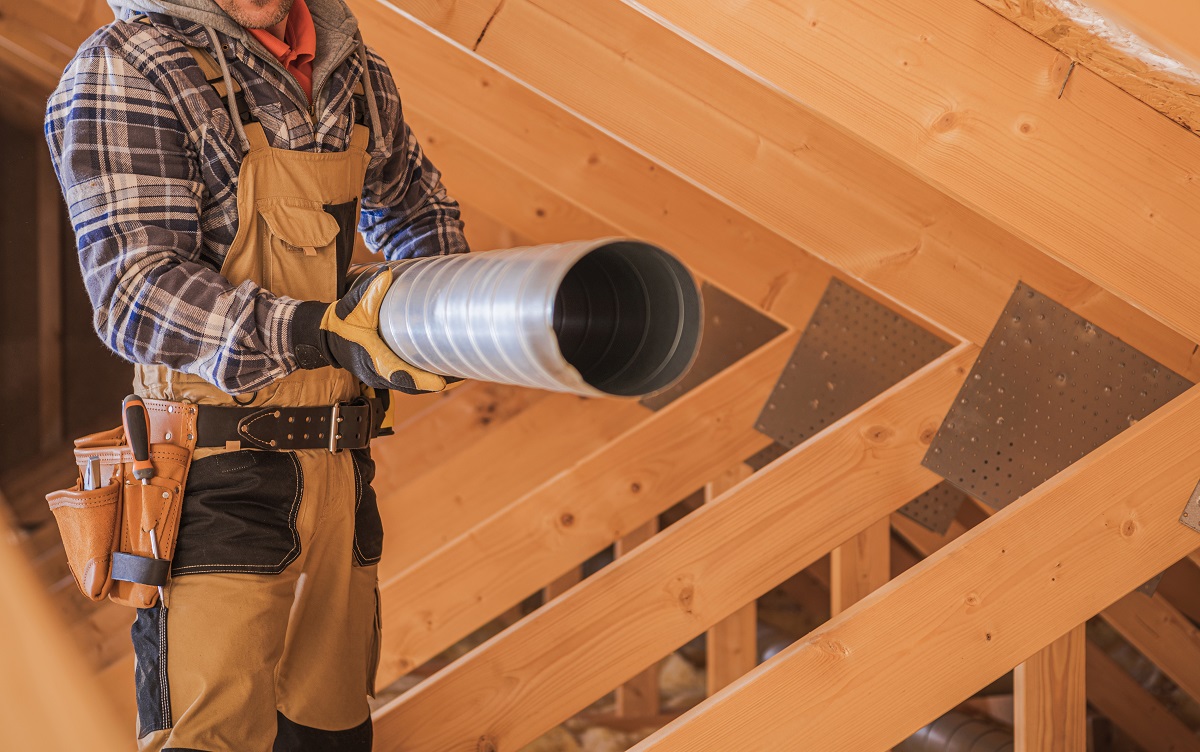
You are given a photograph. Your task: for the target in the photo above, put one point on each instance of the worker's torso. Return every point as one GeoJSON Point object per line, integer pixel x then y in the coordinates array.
{"type": "Point", "coordinates": [297, 211]}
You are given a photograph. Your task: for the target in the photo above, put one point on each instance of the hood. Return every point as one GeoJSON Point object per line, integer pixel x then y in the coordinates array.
{"type": "Point", "coordinates": [335, 24]}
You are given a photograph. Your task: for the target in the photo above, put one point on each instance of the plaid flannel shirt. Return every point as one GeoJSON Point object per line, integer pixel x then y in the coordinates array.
{"type": "Point", "coordinates": [148, 160]}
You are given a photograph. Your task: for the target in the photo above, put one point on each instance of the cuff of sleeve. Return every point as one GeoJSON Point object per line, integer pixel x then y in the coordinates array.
{"type": "Point", "coordinates": [308, 342]}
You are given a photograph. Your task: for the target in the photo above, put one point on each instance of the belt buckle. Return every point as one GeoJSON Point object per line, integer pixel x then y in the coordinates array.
{"type": "Point", "coordinates": [334, 419]}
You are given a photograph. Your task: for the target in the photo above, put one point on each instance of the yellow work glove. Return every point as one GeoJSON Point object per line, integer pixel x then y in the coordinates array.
{"type": "Point", "coordinates": [347, 336]}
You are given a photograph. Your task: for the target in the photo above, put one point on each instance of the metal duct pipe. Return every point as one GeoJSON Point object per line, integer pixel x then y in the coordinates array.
{"type": "Point", "coordinates": [599, 317]}
{"type": "Point", "coordinates": [958, 732]}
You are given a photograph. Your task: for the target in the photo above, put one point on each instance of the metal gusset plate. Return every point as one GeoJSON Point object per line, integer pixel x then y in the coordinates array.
{"type": "Point", "coordinates": [765, 457]}
{"type": "Point", "coordinates": [1191, 511]}
{"type": "Point", "coordinates": [1148, 588]}
{"type": "Point", "coordinates": [1048, 388]}
{"type": "Point", "coordinates": [936, 508]}
{"type": "Point", "coordinates": [732, 330]}
{"type": "Point", "coordinates": [852, 350]}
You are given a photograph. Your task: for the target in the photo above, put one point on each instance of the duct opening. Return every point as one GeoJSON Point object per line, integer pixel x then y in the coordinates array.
{"type": "Point", "coordinates": [628, 316]}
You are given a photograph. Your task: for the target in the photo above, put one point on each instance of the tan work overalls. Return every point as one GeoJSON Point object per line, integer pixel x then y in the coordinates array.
{"type": "Point", "coordinates": [238, 652]}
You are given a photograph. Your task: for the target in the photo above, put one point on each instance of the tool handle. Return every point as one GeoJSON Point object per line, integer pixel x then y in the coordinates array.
{"type": "Point", "coordinates": [136, 420]}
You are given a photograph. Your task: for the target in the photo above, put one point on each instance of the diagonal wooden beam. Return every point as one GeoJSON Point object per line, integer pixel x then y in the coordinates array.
{"type": "Point", "coordinates": [453, 495]}
{"type": "Point", "coordinates": [449, 424]}
{"type": "Point", "coordinates": [475, 577]}
{"type": "Point", "coordinates": [767, 155]}
{"type": "Point", "coordinates": [536, 138]}
{"type": "Point", "coordinates": [983, 121]}
{"type": "Point", "coordinates": [1123, 42]}
{"type": "Point", "coordinates": [974, 609]}
{"type": "Point", "coordinates": [1181, 587]}
{"type": "Point", "coordinates": [478, 176]}
{"type": "Point", "coordinates": [1162, 634]}
{"type": "Point", "coordinates": [688, 578]}
{"type": "Point", "coordinates": [1152, 625]}
{"type": "Point", "coordinates": [1115, 694]}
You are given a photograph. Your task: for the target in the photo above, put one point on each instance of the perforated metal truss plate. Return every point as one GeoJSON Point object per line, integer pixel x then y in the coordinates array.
{"type": "Point", "coordinates": [1191, 511]}
{"type": "Point", "coordinates": [936, 508]}
{"type": "Point", "coordinates": [852, 349]}
{"type": "Point", "coordinates": [765, 457]}
{"type": "Point", "coordinates": [1048, 388]}
{"type": "Point", "coordinates": [1150, 586]}
{"type": "Point", "coordinates": [732, 330]}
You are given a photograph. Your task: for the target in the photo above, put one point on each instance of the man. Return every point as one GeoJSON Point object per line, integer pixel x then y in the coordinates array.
{"type": "Point", "coordinates": [216, 157]}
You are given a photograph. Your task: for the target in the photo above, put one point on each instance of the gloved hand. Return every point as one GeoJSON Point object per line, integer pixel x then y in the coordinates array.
{"type": "Point", "coordinates": [345, 334]}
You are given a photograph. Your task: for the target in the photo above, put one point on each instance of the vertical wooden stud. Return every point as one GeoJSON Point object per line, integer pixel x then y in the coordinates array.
{"type": "Point", "coordinates": [1050, 697]}
{"type": "Point", "coordinates": [638, 697]}
{"type": "Point", "coordinates": [860, 566]}
{"type": "Point", "coordinates": [732, 642]}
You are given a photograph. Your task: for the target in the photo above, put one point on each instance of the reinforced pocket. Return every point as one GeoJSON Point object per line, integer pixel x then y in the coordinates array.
{"type": "Point", "coordinates": [90, 525]}
{"type": "Point", "coordinates": [368, 527]}
{"type": "Point", "coordinates": [239, 514]}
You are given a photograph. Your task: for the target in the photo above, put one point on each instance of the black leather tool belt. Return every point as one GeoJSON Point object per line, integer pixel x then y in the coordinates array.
{"type": "Point", "coordinates": [345, 425]}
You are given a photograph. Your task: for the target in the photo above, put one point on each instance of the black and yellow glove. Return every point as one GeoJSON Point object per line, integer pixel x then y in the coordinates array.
{"type": "Point", "coordinates": [345, 334]}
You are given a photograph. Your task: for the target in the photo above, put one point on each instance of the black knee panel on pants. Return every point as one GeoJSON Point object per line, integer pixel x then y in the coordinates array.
{"type": "Point", "coordinates": [292, 737]}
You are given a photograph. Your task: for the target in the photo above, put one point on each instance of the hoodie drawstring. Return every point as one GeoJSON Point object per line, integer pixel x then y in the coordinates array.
{"type": "Point", "coordinates": [229, 97]}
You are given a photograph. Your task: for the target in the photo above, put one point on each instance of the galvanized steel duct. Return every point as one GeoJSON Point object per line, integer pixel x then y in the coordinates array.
{"type": "Point", "coordinates": [958, 732]}
{"type": "Point", "coordinates": [600, 317]}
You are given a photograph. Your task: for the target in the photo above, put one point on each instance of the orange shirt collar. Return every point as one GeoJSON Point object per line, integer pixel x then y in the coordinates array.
{"type": "Point", "coordinates": [296, 50]}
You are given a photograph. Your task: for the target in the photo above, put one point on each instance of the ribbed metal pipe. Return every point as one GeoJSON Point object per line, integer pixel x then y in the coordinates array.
{"type": "Point", "coordinates": [958, 732]}
{"type": "Point", "coordinates": [600, 317]}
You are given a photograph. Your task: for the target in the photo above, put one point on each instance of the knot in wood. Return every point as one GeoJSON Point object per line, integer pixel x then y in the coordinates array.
{"type": "Point", "coordinates": [833, 647]}
{"type": "Point", "coordinates": [947, 122]}
{"type": "Point", "coordinates": [927, 435]}
{"type": "Point", "coordinates": [485, 744]}
{"type": "Point", "coordinates": [972, 600]}
{"type": "Point", "coordinates": [567, 519]}
{"type": "Point", "coordinates": [879, 434]}
{"type": "Point", "coordinates": [635, 487]}
{"type": "Point", "coordinates": [1128, 528]}
{"type": "Point", "coordinates": [683, 589]}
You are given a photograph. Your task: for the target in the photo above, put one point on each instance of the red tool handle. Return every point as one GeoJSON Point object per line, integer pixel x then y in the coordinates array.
{"type": "Point", "coordinates": [136, 420]}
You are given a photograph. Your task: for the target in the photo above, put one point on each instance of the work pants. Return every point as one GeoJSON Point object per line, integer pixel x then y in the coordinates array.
{"type": "Point", "coordinates": [270, 637]}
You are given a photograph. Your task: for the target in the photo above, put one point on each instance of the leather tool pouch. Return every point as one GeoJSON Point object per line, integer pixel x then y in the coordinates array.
{"type": "Point", "coordinates": [106, 531]}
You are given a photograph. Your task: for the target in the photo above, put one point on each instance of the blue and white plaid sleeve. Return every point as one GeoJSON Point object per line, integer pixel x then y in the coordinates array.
{"type": "Point", "coordinates": [406, 212]}
{"type": "Point", "coordinates": [134, 195]}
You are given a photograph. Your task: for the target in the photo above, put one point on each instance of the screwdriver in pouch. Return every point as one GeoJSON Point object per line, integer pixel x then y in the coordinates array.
{"type": "Point", "coordinates": [136, 421]}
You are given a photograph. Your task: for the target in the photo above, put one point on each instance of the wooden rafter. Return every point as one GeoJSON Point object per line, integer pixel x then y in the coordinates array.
{"type": "Point", "coordinates": [474, 173]}
{"type": "Point", "coordinates": [1145, 47]}
{"type": "Point", "coordinates": [1101, 692]}
{"type": "Point", "coordinates": [1162, 634]}
{"type": "Point", "coordinates": [622, 188]}
{"type": "Point", "coordinates": [983, 121]}
{"type": "Point", "coordinates": [1115, 694]}
{"type": "Point", "coordinates": [780, 165]}
{"type": "Point", "coordinates": [452, 495]}
{"type": "Point", "coordinates": [688, 578]}
{"type": "Point", "coordinates": [462, 585]}
{"type": "Point", "coordinates": [1055, 553]}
